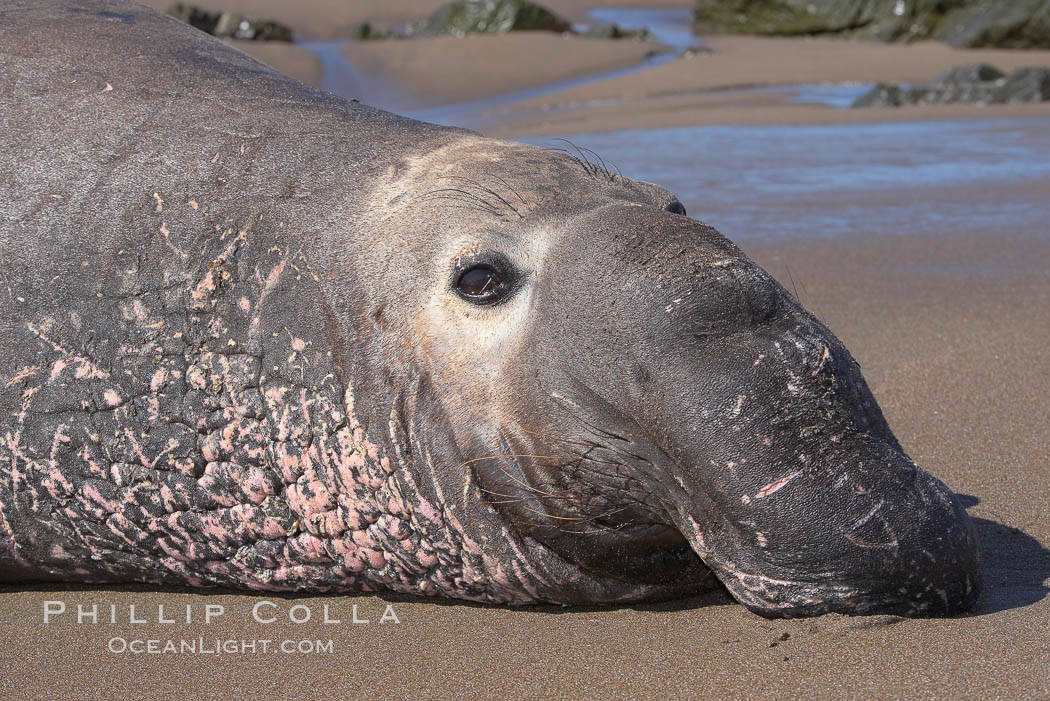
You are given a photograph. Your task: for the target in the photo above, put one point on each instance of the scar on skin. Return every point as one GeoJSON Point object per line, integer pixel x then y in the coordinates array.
{"type": "Point", "coordinates": [107, 88]}
{"type": "Point", "coordinates": [160, 201]}
{"type": "Point", "coordinates": [193, 204]}
{"type": "Point", "coordinates": [773, 487]}
{"type": "Point", "coordinates": [112, 398]}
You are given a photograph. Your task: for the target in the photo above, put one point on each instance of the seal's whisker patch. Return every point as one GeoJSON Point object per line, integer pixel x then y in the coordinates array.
{"type": "Point", "coordinates": [487, 190]}
{"type": "Point", "coordinates": [511, 188]}
{"type": "Point", "coordinates": [455, 193]}
{"type": "Point", "coordinates": [598, 170]}
{"type": "Point", "coordinates": [522, 483]}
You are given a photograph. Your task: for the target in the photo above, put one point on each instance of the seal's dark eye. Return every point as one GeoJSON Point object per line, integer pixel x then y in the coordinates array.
{"type": "Point", "coordinates": [481, 284]}
{"type": "Point", "coordinates": [480, 281]}
{"type": "Point", "coordinates": [486, 277]}
{"type": "Point", "coordinates": [676, 207]}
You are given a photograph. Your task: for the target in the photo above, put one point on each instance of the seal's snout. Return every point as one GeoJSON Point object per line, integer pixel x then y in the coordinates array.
{"type": "Point", "coordinates": [874, 534]}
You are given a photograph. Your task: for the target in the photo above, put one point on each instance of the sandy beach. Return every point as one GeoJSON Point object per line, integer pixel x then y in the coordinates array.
{"type": "Point", "coordinates": [441, 70]}
{"type": "Point", "coordinates": [697, 90]}
{"type": "Point", "coordinates": [950, 323]}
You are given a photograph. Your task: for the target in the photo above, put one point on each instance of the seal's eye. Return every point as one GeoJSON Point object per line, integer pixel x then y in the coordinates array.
{"type": "Point", "coordinates": [487, 277]}
{"type": "Point", "coordinates": [479, 282]}
{"type": "Point", "coordinates": [483, 284]}
{"type": "Point", "coordinates": [676, 207]}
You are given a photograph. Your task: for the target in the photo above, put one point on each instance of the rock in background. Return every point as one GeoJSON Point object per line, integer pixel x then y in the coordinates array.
{"type": "Point", "coordinates": [230, 24]}
{"type": "Point", "coordinates": [976, 83]}
{"type": "Point", "coordinates": [465, 17]}
{"type": "Point", "coordinates": [491, 17]}
{"type": "Point", "coordinates": [1019, 24]}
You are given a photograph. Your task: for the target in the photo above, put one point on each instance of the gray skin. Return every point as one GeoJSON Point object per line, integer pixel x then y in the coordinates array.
{"type": "Point", "coordinates": [238, 350]}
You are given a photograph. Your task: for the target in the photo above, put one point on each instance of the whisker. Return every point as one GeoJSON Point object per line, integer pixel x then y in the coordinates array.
{"type": "Point", "coordinates": [486, 189]}
{"type": "Point", "coordinates": [468, 205]}
{"type": "Point", "coordinates": [471, 195]}
{"type": "Point", "coordinates": [792, 278]}
{"type": "Point", "coordinates": [600, 160]}
{"type": "Point", "coordinates": [511, 188]}
{"type": "Point", "coordinates": [512, 477]}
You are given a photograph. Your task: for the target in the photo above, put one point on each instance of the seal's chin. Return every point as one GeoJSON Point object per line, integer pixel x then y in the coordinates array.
{"type": "Point", "coordinates": [784, 598]}
{"type": "Point", "coordinates": [904, 546]}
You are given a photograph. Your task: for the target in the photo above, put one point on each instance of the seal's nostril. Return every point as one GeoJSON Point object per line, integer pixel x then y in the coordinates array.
{"type": "Point", "coordinates": [676, 207]}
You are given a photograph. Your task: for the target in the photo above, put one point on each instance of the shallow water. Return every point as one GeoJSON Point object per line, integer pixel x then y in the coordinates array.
{"type": "Point", "coordinates": [337, 75]}
{"type": "Point", "coordinates": [836, 95]}
{"type": "Point", "coordinates": [770, 182]}
{"type": "Point", "coordinates": [672, 28]}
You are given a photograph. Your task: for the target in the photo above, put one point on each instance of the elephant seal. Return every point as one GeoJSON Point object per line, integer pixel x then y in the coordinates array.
{"type": "Point", "coordinates": [257, 336]}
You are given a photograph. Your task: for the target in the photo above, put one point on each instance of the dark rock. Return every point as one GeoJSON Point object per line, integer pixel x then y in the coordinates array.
{"type": "Point", "coordinates": [1008, 24]}
{"type": "Point", "coordinates": [882, 95]}
{"type": "Point", "coordinates": [366, 31]}
{"type": "Point", "coordinates": [608, 30]}
{"type": "Point", "coordinates": [230, 24]}
{"type": "Point", "coordinates": [611, 30]}
{"type": "Point", "coordinates": [1026, 85]}
{"type": "Point", "coordinates": [976, 83]}
{"type": "Point", "coordinates": [969, 73]}
{"type": "Point", "coordinates": [1003, 23]}
{"type": "Point", "coordinates": [464, 17]}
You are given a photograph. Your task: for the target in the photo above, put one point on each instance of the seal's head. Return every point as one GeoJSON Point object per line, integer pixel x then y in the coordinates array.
{"type": "Point", "coordinates": [632, 404]}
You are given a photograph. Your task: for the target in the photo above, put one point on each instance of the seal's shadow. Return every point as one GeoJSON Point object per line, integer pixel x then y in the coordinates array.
{"type": "Point", "coordinates": [1015, 565]}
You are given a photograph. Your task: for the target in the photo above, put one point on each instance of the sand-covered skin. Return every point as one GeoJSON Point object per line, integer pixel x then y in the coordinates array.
{"type": "Point", "coordinates": [691, 91]}
{"type": "Point", "coordinates": [443, 70]}
{"type": "Point", "coordinates": [952, 333]}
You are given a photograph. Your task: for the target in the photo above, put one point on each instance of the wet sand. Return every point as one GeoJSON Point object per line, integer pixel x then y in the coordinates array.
{"type": "Point", "coordinates": [698, 90]}
{"type": "Point", "coordinates": [704, 89]}
{"type": "Point", "coordinates": [441, 70]}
